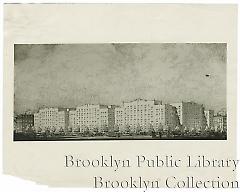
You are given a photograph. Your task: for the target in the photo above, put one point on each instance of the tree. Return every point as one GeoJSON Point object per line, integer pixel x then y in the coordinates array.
{"type": "Point", "coordinates": [111, 129]}
{"type": "Point", "coordinates": [116, 128]}
{"type": "Point", "coordinates": [39, 130]}
{"type": "Point", "coordinates": [176, 131]}
{"type": "Point", "coordinates": [160, 129]}
{"type": "Point", "coordinates": [127, 129]}
{"type": "Point", "coordinates": [77, 129]}
{"type": "Point", "coordinates": [138, 129]}
{"type": "Point", "coordinates": [70, 129]}
{"type": "Point", "coordinates": [132, 130]}
{"type": "Point", "coordinates": [185, 130]}
{"type": "Point", "coordinates": [61, 131]}
{"type": "Point", "coordinates": [95, 130]}
{"type": "Point", "coordinates": [104, 128]}
{"type": "Point", "coordinates": [54, 130]}
{"type": "Point", "coordinates": [47, 131]}
{"type": "Point", "coordinates": [31, 132]}
{"type": "Point", "coordinates": [151, 130]}
{"type": "Point", "coordinates": [168, 130]}
{"type": "Point", "coordinates": [86, 130]}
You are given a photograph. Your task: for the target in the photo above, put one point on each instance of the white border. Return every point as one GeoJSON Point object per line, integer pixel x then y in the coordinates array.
{"type": "Point", "coordinates": [127, 1]}
{"type": "Point", "coordinates": [10, 183]}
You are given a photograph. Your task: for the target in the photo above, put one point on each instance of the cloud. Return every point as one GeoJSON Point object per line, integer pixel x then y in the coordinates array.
{"type": "Point", "coordinates": [74, 74]}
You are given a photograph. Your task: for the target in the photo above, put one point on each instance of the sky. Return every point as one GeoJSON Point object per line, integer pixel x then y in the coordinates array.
{"type": "Point", "coordinates": [69, 75]}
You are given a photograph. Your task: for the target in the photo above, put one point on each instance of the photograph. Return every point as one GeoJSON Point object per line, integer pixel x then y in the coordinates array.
{"type": "Point", "coordinates": [120, 91]}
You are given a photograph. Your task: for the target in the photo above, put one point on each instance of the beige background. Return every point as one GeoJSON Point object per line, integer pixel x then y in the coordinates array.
{"type": "Point", "coordinates": [43, 162]}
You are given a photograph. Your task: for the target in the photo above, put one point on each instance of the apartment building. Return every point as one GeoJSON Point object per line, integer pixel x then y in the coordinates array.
{"type": "Point", "coordinates": [144, 115]}
{"type": "Point", "coordinates": [23, 122]}
{"type": "Point", "coordinates": [220, 122]}
{"type": "Point", "coordinates": [209, 114]}
{"type": "Point", "coordinates": [52, 119]}
{"type": "Point", "coordinates": [93, 117]}
{"type": "Point", "coordinates": [191, 115]}
{"type": "Point", "coordinates": [72, 118]}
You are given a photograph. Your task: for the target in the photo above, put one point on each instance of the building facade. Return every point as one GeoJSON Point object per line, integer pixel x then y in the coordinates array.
{"type": "Point", "coordinates": [63, 120]}
{"type": "Point", "coordinates": [135, 116]}
{"type": "Point", "coordinates": [93, 117]}
{"type": "Point", "coordinates": [72, 119]}
{"type": "Point", "coordinates": [52, 119]}
{"type": "Point", "coordinates": [191, 115]}
{"type": "Point", "coordinates": [23, 122]}
{"type": "Point", "coordinates": [145, 115]}
{"type": "Point", "coordinates": [222, 112]}
{"type": "Point", "coordinates": [209, 114]}
{"type": "Point", "coordinates": [220, 122]}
